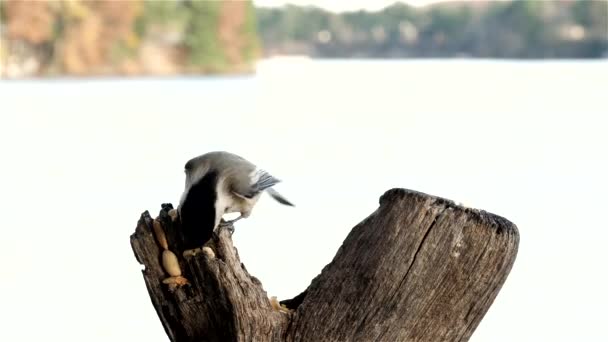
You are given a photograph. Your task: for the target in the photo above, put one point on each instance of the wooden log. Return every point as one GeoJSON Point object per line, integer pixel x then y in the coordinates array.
{"type": "Point", "coordinates": [420, 268]}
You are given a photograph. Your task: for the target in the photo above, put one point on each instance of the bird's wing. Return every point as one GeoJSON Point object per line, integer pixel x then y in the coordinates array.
{"type": "Point", "coordinates": [255, 182]}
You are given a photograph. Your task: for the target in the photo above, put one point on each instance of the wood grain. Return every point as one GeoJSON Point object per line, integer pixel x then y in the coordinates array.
{"type": "Point", "coordinates": [420, 268]}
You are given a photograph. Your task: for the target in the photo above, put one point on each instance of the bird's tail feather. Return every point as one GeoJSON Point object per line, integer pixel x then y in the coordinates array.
{"type": "Point", "coordinates": [278, 197]}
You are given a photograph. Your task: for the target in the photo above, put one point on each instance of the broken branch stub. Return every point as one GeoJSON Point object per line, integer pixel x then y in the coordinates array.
{"type": "Point", "coordinates": [420, 268]}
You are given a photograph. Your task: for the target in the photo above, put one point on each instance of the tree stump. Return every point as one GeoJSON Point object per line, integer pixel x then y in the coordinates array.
{"type": "Point", "coordinates": [420, 268]}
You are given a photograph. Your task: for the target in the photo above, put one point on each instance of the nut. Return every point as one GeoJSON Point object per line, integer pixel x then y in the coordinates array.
{"type": "Point", "coordinates": [170, 263]}
{"type": "Point", "coordinates": [160, 234]}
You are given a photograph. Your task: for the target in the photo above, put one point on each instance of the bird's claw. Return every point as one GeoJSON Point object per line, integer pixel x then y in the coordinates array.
{"type": "Point", "coordinates": [228, 225]}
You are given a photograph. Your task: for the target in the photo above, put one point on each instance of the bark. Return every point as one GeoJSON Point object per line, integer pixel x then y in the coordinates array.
{"type": "Point", "coordinates": [420, 268]}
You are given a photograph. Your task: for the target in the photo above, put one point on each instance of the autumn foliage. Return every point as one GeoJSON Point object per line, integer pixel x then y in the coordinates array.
{"type": "Point", "coordinates": [106, 37]}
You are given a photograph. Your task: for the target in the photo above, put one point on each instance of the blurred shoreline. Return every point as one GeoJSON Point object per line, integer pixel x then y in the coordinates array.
{"type": "Point", "coordinates": [137, 38]}
{"type": "Point", "coordinates": [522, 29]}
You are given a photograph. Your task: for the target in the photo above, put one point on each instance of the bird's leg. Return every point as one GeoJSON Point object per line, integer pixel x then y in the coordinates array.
{"type": "Point", "coordinates": [228, 225]}
{"type": "Point", "coordinates": [244, 214]}
{"type": "Point", "coordinates": [230, 222]}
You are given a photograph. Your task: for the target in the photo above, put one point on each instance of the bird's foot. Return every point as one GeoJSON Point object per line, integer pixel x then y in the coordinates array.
{"type": "Point", "coordinates": [228, 225]}
{"type": "Point", "coordinates": [233, 220]}
{"type": "Point", "coordinates": [175, 282]}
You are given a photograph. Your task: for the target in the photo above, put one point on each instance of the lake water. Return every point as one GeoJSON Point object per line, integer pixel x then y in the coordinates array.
{"type": "Point", "coordinates": [81, 159]}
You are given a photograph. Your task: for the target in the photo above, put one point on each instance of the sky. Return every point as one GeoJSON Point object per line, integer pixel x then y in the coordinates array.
{"type": "Point", "coordinates": [341, 5]}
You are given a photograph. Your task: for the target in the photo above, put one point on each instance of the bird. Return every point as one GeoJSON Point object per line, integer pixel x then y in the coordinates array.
{"type": "Point", "coordinates": [217, 183]}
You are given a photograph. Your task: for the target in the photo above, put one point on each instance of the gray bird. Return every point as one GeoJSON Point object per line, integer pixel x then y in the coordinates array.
{"type": "Point", "coordinates": [219, 183]}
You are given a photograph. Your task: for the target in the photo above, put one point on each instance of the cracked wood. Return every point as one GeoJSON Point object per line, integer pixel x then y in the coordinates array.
{"type": "Point", "coordinates": [420, 268]}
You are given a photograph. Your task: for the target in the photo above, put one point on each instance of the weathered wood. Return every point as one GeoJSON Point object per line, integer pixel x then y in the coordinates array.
{"type": "Point", "coordinates": [420, 268]}
{"type": "Point", "coordinates": [221, 303]}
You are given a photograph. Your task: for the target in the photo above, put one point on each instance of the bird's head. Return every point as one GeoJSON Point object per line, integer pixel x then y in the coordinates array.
{"type": "Point", "coordinates": [195, 169]}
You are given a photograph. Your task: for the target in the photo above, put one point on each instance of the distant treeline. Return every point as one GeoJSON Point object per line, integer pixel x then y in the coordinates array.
{"type": "Point", "coordinates": [482, 29]}
{"type": "Point", "coordinates": [109, 37]}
